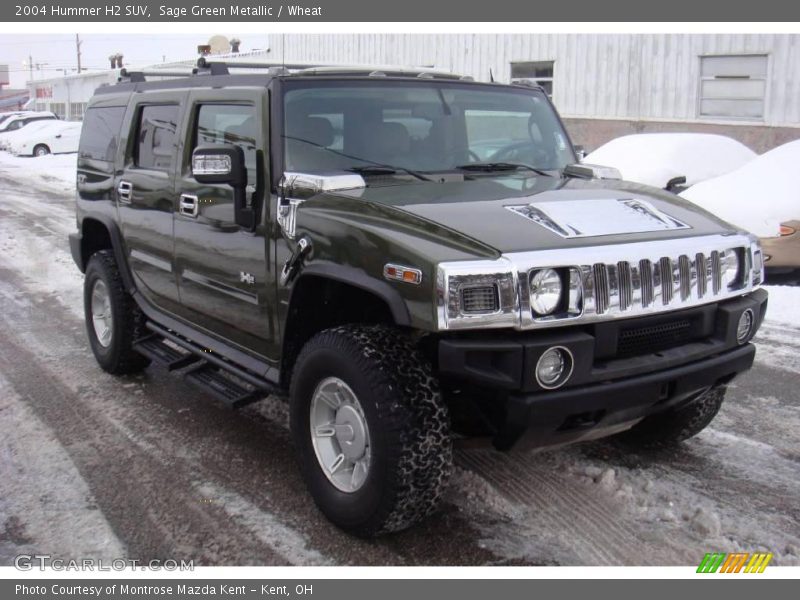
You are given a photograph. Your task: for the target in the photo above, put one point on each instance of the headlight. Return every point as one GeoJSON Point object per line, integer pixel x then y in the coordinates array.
{"type": "Point", "coordinates": [730, 264]}
{"type": "Point", "coordinates": [546, 291]}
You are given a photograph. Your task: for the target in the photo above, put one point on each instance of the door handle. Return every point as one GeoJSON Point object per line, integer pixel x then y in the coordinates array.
{"type": "Point", "coordinates": [125, 191]}
{"type": "Point", "coordinates": [188, 205]}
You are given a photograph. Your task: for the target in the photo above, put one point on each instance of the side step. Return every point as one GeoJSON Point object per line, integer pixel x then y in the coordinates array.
{"type": "Point", "coordinates": [221, 378]}
{"type": "Point", "coordinates": [222, 386]}
{"type": "Point", "coordinates": [154, 347]}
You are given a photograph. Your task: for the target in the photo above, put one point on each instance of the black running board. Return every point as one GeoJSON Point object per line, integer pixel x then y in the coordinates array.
{"type": "Point", "coordinates": [156, 349]}
{"type": "Point", "coordinates": [228, 389]}
{"type": "Point", "coordinates": [214, 374]}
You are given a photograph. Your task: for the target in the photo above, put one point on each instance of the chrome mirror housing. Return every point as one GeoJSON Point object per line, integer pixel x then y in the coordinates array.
{"type": "Point", "coordinates": [587, 171]}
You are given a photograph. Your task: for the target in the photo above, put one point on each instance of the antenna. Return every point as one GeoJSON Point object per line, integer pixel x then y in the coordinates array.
{"type": "Point", "coordinates": [491, 76]}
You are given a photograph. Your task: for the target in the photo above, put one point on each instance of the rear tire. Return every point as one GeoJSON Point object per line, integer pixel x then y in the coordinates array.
{"type": "Point", "coordinates": [41, 150]}
{"type": "Point", "coordinates": [674, 426]}
{"type": "Point", "coordinates": [406, 423]}
{"type": "Point", "coordinates": [113, 320]}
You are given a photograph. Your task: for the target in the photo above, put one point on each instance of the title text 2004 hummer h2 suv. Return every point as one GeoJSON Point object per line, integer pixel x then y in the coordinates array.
{"type": "Point", "coordinates": [410, 255]}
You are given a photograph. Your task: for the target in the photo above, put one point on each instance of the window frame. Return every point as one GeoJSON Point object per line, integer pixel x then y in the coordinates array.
{"type": "Point", "coordinates": [733, 118]}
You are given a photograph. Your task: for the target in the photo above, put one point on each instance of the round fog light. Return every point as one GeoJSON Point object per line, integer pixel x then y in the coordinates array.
{"type": "Point", "coordinates": [554, 367]}
{"type": "Point", "coordinates": [745, 326]}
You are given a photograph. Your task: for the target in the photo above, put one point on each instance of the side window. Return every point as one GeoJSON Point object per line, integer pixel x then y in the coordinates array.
{"type": "Point", "coordinates": [100, 132]}
{"type": "Point", "coordinates": [155, 136]}
{"type": "Point", "coordinates": [228, 124]}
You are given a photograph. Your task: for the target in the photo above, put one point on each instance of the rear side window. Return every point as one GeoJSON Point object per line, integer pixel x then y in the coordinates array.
{"type": "Point", "coordinates": [155, 136]}
{"type": "Point", "coordinates": [100, 132]}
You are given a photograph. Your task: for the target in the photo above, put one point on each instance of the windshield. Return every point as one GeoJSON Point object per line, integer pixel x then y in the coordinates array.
{"type": "Point", "coordinates": [425, 126]}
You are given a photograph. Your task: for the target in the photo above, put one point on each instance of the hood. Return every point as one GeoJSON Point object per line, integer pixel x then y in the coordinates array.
{"type": "Point", "coordinates": [515, 214]}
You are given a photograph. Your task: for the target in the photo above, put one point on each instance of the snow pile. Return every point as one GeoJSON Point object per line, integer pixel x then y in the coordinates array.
{"type": "Point", "coordinates": [784, 305]}
{"type": "Point", "coordinates": [655, 158]}
{"type": "Point", "coordinates": [54, 172]}
{"type": "Point", "coordinates": [757, 197]}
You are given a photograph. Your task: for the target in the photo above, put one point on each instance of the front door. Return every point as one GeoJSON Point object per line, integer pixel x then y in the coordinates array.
{"type": "Point", "coordinates": [225, 283]}
{"type": "Point", "coordinates": [145, 191]}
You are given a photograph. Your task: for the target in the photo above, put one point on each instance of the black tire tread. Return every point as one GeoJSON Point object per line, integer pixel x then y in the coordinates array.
{"type": "Point", "coordinates": [674, 426]}
{"type": "Point", "coordinates": [413, 415]}
{"type": "Point", "coordinates": [123, 358]}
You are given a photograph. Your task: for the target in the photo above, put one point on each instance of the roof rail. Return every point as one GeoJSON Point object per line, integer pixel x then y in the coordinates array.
{"type": "Point", "coordinates": [215, 67]}
{"type": "Point", "coordinates": [126, 76]}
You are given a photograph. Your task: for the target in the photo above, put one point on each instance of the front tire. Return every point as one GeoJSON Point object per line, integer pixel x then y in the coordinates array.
{"type": "Point", "coordinates": [674, 426]}
{"type": "Point", "coordinates": [113, 320]}
{"type": "Point", "coordinates": [371, 428]}
{"type": "Point", "coordinates": [41, 150]}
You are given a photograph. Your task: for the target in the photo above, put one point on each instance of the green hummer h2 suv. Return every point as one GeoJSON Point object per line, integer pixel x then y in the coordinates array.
{"type": "Point", "coordinates": [412, 258]}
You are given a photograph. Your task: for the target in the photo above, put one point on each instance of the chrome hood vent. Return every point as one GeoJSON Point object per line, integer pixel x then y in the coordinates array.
{"type": "Point", "coordinates": [592, 218]}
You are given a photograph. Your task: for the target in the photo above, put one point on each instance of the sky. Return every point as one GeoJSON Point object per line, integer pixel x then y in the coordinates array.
{"type": "Point", "coordinates": [56, 52]}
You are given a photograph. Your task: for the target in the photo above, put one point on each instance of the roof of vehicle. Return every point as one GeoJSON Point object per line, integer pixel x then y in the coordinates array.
{"type": "Point", "coordinates": [259, 74]}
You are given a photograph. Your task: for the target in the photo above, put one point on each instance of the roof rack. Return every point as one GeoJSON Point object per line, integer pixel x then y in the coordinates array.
{"type": "Point", "coordinates": [206, 67]}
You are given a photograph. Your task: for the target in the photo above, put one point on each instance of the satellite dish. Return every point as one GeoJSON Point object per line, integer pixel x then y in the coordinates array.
{"type": "Point", "coordinates": [219, 44]}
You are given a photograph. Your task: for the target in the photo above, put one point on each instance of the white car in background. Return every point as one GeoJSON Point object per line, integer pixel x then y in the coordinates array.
{"type": "Point", "coordinates": [762, 197]}
{"type": "Point", "coordinates": [22, 120]}
{"type": "Point", "coordinates": [11, 137]}
{"type": "Point", "coordinates": [663, 159]}
{"type": "Point", "coordinates": [58, 137]}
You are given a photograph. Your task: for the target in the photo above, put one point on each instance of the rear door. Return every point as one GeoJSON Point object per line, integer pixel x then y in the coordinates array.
{"type": "Point", "coordinates": [225, 283]}
{"type": "Point", "coordinates": [145, 190]}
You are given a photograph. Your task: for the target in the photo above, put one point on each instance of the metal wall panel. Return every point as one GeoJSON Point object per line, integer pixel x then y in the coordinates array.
{"type": "Point", "coordinates": [654, 77]}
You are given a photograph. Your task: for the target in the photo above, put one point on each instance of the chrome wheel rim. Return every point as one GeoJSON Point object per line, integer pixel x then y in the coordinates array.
{"type": "Point", "coordinates": [102, 321]}
{"type": "Point", "coordinates": [340, 435]}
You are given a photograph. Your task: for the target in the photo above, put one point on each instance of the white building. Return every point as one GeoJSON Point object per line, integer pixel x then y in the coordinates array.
{"type": "Point", "coordinates": [743, 85]}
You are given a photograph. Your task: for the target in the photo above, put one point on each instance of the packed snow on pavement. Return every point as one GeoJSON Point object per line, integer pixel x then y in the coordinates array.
{"type": "Point", "coordinates": [146, 467]}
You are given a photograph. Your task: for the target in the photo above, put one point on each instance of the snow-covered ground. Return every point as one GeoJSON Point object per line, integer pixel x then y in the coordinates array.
{"type": "Point", "coordinates": [757, 196]}
{"type": "Point", "coordinates": [92, 465]}
{"type": "Point", "coordinates": [655, 158]}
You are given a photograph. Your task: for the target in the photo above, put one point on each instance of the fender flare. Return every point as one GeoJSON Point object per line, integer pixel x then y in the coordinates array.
{"type": "Point", "coordinates": [360, 279]}
{"type": "Point", "coordinates": [117, 246]}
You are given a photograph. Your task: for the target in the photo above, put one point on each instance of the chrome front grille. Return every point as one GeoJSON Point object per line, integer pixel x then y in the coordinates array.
{"type": "Point", "coordinates": [606, 282]}
{"type": "Point", "coordinates": [668, 281]}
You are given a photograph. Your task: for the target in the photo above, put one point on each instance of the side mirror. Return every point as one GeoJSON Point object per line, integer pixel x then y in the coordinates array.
{"type": "Point", "coordinates": [580, 152]}
{"type": "Point", "coordinates": [224, 163]}
{"type": "Point", "coordinates": [587, 171]}
{"type": "Point", "coordinates": [675, 184]}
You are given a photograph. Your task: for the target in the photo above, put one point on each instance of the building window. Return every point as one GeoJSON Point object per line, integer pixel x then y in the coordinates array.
{"type": "Point", "coordinates": [59, 109]}
{"type": "Point", "coordinates": [76, 110]}
{"type": "Point", "coordinates": [40, 107]}
{"type": "Point", "coordinates": [733, 86]}
{"type": "Point", "coordinates": [540, 73]}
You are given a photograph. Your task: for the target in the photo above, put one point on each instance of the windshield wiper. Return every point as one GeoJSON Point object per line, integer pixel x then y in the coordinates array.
{"type": "Point", "coordinates": [371, 168]}
{"type": "Point", "coordinates": [386, 170]}
{"type": "Point", "coordinates": [488, 167]}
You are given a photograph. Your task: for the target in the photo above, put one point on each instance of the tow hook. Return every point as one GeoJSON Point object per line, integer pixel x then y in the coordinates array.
{"type": "Point", "coordinates": [292, 265]}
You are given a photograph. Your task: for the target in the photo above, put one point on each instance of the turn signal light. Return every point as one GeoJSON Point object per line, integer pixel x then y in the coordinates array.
{"type": "Point", "coordinates": [401, 273]}
{"type": "Point", "coordinates": [786, 230]}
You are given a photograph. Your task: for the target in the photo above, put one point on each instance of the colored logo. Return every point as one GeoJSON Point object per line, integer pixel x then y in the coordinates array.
{"type": "Point", "coordinates": [737, 562]}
